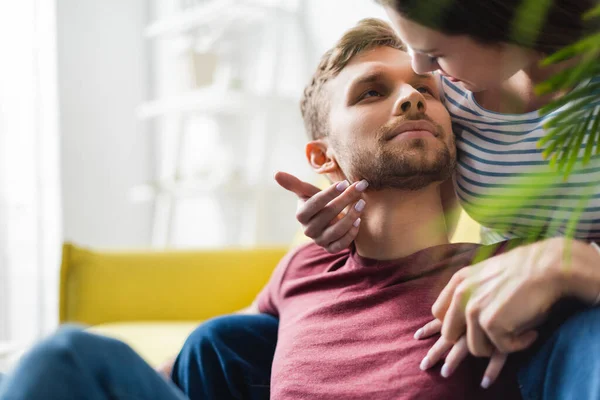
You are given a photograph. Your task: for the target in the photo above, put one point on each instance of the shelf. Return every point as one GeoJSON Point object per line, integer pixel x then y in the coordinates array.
{"type": "Point", "coordinates": [213, 101]}
{"type": "Point", "coordinates": [193, 188]}
{"type": "Point", "coordinates": [8, 348]}
{"type": "Point", "coordinates": [215, 10]}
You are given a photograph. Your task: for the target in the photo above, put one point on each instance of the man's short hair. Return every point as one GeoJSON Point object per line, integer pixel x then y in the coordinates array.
{"type": "Point", "coordinates": [386, 3]}
{"type": "Point", "coordinates": [366, 35]}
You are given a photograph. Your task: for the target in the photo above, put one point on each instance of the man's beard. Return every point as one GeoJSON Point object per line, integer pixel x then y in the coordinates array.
{"type": "Point", "coordinates": [408, 166]}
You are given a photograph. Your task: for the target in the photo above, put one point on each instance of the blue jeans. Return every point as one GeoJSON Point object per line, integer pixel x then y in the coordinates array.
{"type": "Point", "coordinates": [76, 365]}
{"type": "Point", "coordinates": [225, 358]}
{"type": "Point", "coordinates": [228, 358]}
{"type": "Point", "coordinates": [567, 364]}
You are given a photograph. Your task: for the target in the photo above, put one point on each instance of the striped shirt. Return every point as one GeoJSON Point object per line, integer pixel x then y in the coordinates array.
{"type": "Point", "coordinates": [504, 183]}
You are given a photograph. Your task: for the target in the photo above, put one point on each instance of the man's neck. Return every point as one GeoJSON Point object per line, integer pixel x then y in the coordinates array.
{"type": "Point", "coordinates": [398, 223]}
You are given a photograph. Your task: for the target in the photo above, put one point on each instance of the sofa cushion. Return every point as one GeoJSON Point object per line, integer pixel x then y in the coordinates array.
{"type": "Point", "coordinates": [156, 342]}
{"type": "Point", "coordinates": [99, 287]}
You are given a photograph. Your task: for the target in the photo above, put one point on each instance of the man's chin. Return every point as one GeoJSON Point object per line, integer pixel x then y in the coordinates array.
{"type": "Point", "coordinates": [412, 172]}
{"type": "Point", "coordinates": [418, 151]}
{"type": "Point", "coordinates": [412, 182]}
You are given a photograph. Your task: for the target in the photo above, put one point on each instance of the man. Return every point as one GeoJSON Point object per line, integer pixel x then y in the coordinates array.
{"type": "Point", "coordinates": [345, 321]}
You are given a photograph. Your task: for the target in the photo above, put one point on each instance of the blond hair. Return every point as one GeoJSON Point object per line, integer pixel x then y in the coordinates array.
{"type": "Point", "coordinates": [366, 35]}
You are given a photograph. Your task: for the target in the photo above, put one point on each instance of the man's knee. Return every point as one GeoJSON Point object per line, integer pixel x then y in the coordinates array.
{"type": "Point", "coordinates": [59, 347]}
{"type": "Point", "coordinates": [209, 332]}
{"type": "Point", "coordinates": [73, 342]}
{"type": "Point", "coordinates": [231, 329]}
{"type": "Point", "coordinates": [582, 329]}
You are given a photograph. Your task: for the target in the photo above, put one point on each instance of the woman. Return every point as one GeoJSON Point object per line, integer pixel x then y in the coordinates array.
{"type": "Point", "coordinates": [489, 67]}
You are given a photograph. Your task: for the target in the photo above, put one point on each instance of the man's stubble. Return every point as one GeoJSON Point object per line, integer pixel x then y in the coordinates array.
{"type": "Point", "coordinates": [405, 165]}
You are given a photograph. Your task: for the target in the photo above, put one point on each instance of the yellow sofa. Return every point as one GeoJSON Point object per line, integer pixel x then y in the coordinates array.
{"type": "Point", "coordinates": [152, 300]}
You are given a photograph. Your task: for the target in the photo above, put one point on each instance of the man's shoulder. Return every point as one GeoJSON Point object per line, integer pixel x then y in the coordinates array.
{"type": "Point", "coordinates": [310, 259]}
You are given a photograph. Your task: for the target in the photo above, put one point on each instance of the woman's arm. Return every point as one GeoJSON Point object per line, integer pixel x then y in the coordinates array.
{"type": "Point", "coordinates": [583, 279]}
{"type": "Point", "coordinates": [500, 302]}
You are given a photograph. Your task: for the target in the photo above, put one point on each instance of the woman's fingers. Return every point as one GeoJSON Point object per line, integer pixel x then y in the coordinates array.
{"type": "Point", "coordinates": [454, 323]}
{"type": "Point", "coordinates": [303, 190]}
{"type": "Point", "coordinates": [436, 353]}
{"type": "Point", "coordinates": [458, 353]}
{"type": "Point", "coordinates": [443, 301]}
{"type": "Point", "coordinates": [341, 233]}
{"type": "Point", "coordinates": [324, 209]}
{"type": "Point", "coordinates": [493, 369]}
{"type": "Point", "coordinates": [429, 329]}
{"type": "Point", "coordinates": [478, 343]}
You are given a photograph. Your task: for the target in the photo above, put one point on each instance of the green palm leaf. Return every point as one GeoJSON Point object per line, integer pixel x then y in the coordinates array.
{"type": "Point", "coordinates": [574, 122]}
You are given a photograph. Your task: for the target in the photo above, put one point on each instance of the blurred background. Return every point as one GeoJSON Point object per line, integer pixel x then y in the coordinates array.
{"type": "Point", "coordinates": [148, 124]}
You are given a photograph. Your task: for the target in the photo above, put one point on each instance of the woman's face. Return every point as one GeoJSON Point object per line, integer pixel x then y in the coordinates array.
{"type": "Point", "coordinates": [473, 65]}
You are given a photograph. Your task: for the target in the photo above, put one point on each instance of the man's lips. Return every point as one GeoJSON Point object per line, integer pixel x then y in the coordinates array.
{"type": "Point", "coordinates": [413, 129]}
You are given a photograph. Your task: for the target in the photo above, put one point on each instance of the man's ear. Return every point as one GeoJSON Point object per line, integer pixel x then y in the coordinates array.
{"type": "Point", "coordinates": [320, 158]}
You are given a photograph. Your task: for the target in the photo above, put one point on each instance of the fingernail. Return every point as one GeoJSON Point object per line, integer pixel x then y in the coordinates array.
{"type": "Point", "coordinates": [486, 382]}
{"type": "Point", "coordinates": [360, 205]}
{"type": "Point", "coordinates": [362, 186]}
{"type": "Point", "coordinates": [424, 364]}
{"type": "Point", "coordinates": [446, 371]}
{"type": "Point", "coordinates": [418, 334]}
{"type": "Point", "coordinates": [342, 186]}
{"type": "Point", "coordinates": [356, 223]}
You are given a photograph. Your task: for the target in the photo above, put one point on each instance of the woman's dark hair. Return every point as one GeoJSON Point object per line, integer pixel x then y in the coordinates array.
{"type": "Point", "coordinates": [543, 25]}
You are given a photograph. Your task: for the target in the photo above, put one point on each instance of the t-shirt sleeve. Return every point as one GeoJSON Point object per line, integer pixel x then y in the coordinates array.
{"type": "Point", "coordinates": [269, 299]}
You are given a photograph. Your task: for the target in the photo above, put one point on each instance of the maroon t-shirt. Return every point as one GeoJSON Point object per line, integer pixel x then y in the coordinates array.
{"type": "Point", "coordinates": [346, 326]}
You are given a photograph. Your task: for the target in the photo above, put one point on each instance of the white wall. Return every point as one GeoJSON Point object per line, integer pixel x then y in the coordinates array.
{"type": "Point", "coordinates": [103, 68]}
{"type": "Point", "coordinates": [102, 71]}
{"type": "Point", "coordinates": [329, 19]}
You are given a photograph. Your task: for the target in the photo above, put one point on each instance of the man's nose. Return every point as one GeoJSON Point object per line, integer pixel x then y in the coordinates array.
{"type": "Point", "coordinates": [410, 103]}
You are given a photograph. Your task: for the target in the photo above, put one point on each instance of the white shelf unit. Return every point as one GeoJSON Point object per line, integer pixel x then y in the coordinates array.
{"type": "Point", "coordinates": [233, 102]}
{"type": "Point", "coordinates": [212, 100]}
{"type": "Point", "coordinates": [211, 12]}
{"type": "Point", "coordinates": [9, 353]}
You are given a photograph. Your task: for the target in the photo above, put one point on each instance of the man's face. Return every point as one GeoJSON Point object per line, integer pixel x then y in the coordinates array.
{"type": "Point", "coordinates": [387, 124]}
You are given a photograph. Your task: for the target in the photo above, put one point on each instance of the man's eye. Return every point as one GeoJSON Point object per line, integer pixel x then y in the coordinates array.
{"type": "Point", "coordinates": [370, 93]}
{"type": "Point", "coordinates": [424, 90]}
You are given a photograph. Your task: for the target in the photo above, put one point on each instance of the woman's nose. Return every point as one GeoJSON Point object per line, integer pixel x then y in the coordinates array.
{"type": "Point", "coordinates": [422, 64]}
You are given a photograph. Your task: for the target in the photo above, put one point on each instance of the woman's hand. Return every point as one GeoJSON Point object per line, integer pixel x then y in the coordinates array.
{"type": "Point", "coordinates": [498, 302]}
{"type": "Point", "coordinates": [455, 353]}
{"type": "Point", "coordinates": [330, 217]}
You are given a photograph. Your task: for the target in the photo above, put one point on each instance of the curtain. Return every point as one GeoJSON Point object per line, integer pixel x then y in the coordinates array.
{"type": "Point", "coordinates": [30, 219]}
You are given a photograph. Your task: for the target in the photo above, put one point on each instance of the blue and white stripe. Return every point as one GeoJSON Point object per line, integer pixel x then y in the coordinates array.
{"type": "Point", "coordinates": [498, 156]}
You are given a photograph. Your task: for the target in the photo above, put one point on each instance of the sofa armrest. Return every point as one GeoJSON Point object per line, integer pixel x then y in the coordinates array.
{"type": "Point", "coordinates": [108, 286]}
